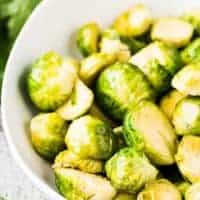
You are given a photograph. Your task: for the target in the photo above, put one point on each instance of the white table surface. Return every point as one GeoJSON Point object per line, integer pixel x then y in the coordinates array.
{"type": "Point", "coordinates": [14, 184]}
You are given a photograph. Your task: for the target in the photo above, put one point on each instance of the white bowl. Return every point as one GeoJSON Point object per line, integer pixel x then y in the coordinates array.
{"type": "Point", "coordinates": [52, 27]}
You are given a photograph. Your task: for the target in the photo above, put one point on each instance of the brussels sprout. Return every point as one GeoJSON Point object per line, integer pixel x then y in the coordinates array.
{"type": "Point", "coordinates": [88, 38]}
{"type": "Point", "coordinates": [133, 22]}
{"type": "Point", "coordinates": [147, 128]}
{"type": "Point", "coordinates": [47, 134]}
{"type": "Point", "coordinates": [186, 116]}
{"type": "Point", "coordinates": [169, 102]}
{"type": "Point", "coordinates": [160, 189]}
{"type": "Point", "coordinates": [129, 170]}
{"type": "Point", "coordinates": [166, 56]}
{"type": "Point", "coordinates": [125, 196]}
{"type": "Point", "coordinates": [111, 44]}
{"type": "Point", "coordinates": [68, 159]}
{"type": "Point", "coordinates": [134, 44]}
{"type": "Point", "coordinates": [78, 104]}
{"type": "Point", "coordinates": [192, 52]}
{"type": "Point", "coordinates": [182, 187]}
{"type": "Point", "coordinates": [188, 158]}
{"type": "Point", "coordinates": [193, 192]}
{"type": "Point", "coordinates": [96, 112]}
{"type": "Point", "coordinates": [187, 80]}
{"type": "Point", "coordinates": [76, 185]}
{"type": "Point", "coordinates": [193, 17]}
{"type": "Point", "coordinates": [50, 81]}
{"type": "Point", "coordinates": [93, 65]}
{"type": "Point", "coordinates": [89, 137]}
{"type": "Point", "coordinates": [172, 31]}
{"type": "Point", "coordinates": [120, 87]}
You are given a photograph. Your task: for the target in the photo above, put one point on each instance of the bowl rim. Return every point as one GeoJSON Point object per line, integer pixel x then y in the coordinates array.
{"type": "Point", "coordinates": [28, 172]}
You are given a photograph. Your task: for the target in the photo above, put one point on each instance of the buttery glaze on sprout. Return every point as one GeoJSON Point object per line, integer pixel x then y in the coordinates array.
{"type": "Point", "coordinates": [160, 189]}
{"type": "Point", "coordinates": [122, 122]}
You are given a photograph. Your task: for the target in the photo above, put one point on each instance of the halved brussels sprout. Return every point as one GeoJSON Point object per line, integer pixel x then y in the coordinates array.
{"type": "Point", "coordinates": [111, 44]}
{"type": "Point", "coordinates": [192, 52]}
{"type": "Point", "coordinates": [133, 22]}
{"type": "Point", "coordinates": [125, 196]}
{"type": "Point", "coordinates": [147, 128]}
{"type": "Point", "coordinates": [120, 87]}
{"type": "Point", "coordinates": [129, 170]}
{"type": "Point", "coordinates": [50, 81]}
{"type": "Point", "coordinates": [193, 17]}
{"type": "Point", "coordinates": [89, 137]}
{"type": "Point", "coordinates": [68, 159]}
{"type": "Point", "coordinates": [169, 102]}
{"type": "Point", "coordinates": [167, 57]}
{"type": "Point", "coordinates": [172, 31]}
{"type": "Point", "coordinates": [187, 80]}
{"type": "Point", "coordinates": [186, 116]}
{"type": "Point", "coordinates": [47, 134]}
{"type": "Point", "coordinates": [88, 38]}
{"type": "Point", "coordinates": [161, 189]}
{"type": "Point", "coordinates": [183, 187]}
{"type": "Point", "coordinates": [193, 192]}
{"type": "Point", "coordinates": [134, 44]}
{"type": "Point", "coordinates": [76, 185]}
{"type": "Point", "coordinates": [188, 158]}
{"type": "Point", "coordinates": [96, 112]}
{"type": "Point", "coordinates": [78, 104]}
{"type": "Point", "coordinates": [93, 65]}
